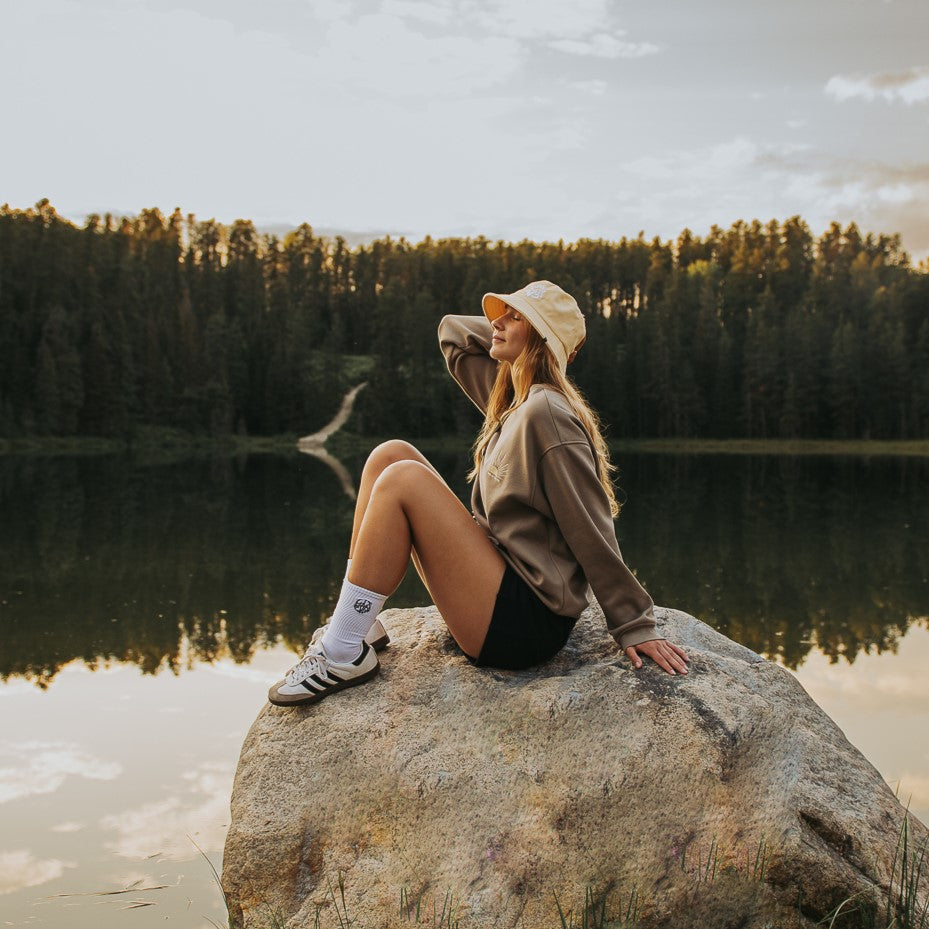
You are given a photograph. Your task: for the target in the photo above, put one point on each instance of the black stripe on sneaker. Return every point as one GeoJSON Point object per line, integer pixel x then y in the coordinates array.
{"type": "Point", "coordinates": [365, 648]}
{"type": "Point", "coordinates": [315, 695]}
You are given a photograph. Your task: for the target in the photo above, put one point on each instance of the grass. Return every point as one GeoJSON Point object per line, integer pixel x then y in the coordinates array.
{"type": "Point", "coordinates": [720, 858]}
{"type": "Point", "coordinates": [905, 899]}
{"type": "Point", "coordinates": [340, 912]}
{"type": "Point", "coordinates": [227, 900]}
{"type": "Point", "coordinates": [856, 447]}
{"type": "Point", "coordinates": [596, 914]}
{"type": "Point", "coordinates": [148, 442]}
{"type": "Point", "coordinates": [901, 908]}
{"type": "Point", "coordinates": [412, 911]}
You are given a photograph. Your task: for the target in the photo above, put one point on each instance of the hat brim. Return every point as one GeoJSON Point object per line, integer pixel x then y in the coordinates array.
{"type": "Point", "coordinates": [495, 305]}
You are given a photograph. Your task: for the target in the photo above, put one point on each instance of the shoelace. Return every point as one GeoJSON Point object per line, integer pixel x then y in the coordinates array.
{"type": "Point", "coordinates": [313, 661]}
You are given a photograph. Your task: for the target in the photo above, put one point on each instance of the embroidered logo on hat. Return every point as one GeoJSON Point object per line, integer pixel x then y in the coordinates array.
{"type": "Point", "coordinates": [535, 290]}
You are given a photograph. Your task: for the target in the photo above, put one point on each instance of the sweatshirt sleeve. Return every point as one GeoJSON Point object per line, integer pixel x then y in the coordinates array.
{"type": "Point", "coordinates": [465, 343]}
{"type": "Point", "coordinates": [568, 478]}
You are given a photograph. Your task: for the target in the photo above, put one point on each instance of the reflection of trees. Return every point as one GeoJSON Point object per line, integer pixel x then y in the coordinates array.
{"type": "Point", "coordinates": [104, 561]}
{"type": "Point", "coordinates": [779, 553]}
{"type": "Point", "coordinates": [101, 559]}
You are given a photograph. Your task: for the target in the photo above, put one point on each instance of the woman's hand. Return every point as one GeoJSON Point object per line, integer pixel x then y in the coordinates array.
{"type": "Point", "coordinates": [669, 656]}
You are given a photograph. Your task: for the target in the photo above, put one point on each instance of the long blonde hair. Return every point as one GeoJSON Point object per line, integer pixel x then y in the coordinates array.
{"type": "Point", "coordinates": [537, 365]}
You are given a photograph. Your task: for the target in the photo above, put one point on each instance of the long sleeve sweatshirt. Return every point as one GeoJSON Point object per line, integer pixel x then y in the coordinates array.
{"type": "Point", "coordinates": [539, 497]}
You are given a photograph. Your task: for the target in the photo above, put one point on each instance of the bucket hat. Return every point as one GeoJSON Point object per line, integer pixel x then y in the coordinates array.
{"type": "Point", "coordinates": [552, 312]}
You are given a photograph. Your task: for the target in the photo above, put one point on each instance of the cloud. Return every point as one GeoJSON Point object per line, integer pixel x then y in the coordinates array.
{"type": "Point", "coordinates": [41, 768]}
{"type": "Point", "coordinates": [880, 197]}
{"type": "Point", "coordinates": [429, 12]}
{"type": "Point", "coordinates": [909, 86]}
{"type": "Point", "coordinates": [537, 19]}
{"type": "Point", "coordinates": [381, 54]}
{"type": "Point", "coordinates": [403, 116]}
{"type": "Point", "coordinates": [741, 178]}
{"type": "Point", "coordinates": [162, 827]}
{"type": "Point", "coordinates": [711, 163]}
{"type": "Point", "coordinates": [20, 869]}
{"type": "Point", "coordinates": [602, 45]}
{"type": "Point", "coordinates": [595, 87]}
{"type": "Point", "coordinates": [584, 27]}
{"type": "Point", "coordinates": [69, 826]}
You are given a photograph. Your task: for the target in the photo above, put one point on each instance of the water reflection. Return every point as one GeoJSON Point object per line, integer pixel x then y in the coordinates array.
{"type": "Point", "coordinates": [156, 564]}
{"type": "Point", "coordinates": [779, 553]}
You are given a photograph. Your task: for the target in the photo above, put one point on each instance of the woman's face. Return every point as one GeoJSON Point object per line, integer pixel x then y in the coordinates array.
{"type": "Point", "coordinates": [511, 332]}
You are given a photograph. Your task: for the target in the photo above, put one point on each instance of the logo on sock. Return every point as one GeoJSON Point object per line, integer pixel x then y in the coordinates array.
{"type": "Point", "coordinates": [363, 606]}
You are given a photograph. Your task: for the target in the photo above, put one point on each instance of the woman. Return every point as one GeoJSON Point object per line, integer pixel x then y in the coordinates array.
{"type": "Point", "coordinates": [510, 580]}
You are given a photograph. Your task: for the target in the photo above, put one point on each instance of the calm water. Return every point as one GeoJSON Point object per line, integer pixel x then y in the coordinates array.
{"type": "Point", "coordinates": [146, 606]}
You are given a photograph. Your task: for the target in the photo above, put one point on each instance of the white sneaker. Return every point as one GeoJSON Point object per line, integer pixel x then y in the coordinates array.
{"type": "Point", "coordinates": [316, 676]}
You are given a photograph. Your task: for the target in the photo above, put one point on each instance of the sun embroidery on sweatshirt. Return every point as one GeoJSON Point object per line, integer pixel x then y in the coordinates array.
{"type": "Point", "coordinates": [499, 470]}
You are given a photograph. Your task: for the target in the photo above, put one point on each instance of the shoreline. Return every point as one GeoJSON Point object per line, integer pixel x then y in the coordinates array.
{"type": "Point", "coordinates": [349, 443]}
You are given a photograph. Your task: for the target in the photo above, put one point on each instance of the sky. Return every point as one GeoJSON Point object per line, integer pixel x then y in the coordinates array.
{"type": "Point", "coordinates": [539, 119]}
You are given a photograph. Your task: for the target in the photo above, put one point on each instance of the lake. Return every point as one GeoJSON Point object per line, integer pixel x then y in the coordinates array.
{"type": "Point", "coordinates": [146, 606]}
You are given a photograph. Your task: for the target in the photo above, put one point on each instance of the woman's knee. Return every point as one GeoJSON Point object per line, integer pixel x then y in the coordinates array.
{"type": "Point", "coordinates": [402, 476]}
{"type": "Point", "coordinates": [390, 452]}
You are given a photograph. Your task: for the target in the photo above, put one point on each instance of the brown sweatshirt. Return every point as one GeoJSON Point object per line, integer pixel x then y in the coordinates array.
{"type": "Point", "coordinates": [539, 498]}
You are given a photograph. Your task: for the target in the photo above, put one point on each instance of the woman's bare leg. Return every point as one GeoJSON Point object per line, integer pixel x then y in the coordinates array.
{"type": "Point", "coordinates": [381, 457]}
{"type": "Point", "coordinates": [409, 506]}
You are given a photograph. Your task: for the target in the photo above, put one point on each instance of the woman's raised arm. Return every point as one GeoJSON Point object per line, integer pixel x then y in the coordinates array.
{"type": "Point", "coordinates": [465, 342]}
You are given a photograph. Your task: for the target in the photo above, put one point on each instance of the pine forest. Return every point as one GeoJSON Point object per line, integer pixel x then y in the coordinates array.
{"type": "Point", "coordinates": [132, 324]}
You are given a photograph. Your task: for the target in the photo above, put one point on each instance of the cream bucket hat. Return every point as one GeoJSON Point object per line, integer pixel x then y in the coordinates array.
{"type": "Point", "coordinates": [553, 313]}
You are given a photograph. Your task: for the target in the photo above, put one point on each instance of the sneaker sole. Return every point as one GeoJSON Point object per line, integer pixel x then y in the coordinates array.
{"type": "Point", "coordinates": [315, 697]}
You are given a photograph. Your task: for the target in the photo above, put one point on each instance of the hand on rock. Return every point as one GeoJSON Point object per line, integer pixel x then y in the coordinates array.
{"type": "Point", "coordinates": [666, 654]}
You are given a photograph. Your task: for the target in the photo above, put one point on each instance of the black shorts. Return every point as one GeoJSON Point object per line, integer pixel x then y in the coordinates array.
{"type": "Point", "coordinates": [523, 631]}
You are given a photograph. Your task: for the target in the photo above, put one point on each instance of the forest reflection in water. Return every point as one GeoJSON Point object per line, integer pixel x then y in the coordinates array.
{"type": "Point", "coordinates": [156, 563]}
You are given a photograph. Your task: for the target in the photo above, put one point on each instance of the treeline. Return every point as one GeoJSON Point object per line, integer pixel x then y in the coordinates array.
{"type": "Point", "coordinates": [760, 330]}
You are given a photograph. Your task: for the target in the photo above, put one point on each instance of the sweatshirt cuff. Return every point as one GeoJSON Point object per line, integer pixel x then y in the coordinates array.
{"type": "Point", "coordinates": [637, 636]}
{"type": "Point", "coordinates": [641, 628]}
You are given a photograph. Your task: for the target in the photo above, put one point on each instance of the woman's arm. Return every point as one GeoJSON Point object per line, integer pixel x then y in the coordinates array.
{"type": "Point", "coordinates": [569, 480]}
{"type": "Point", "coordinates": [465, 343]}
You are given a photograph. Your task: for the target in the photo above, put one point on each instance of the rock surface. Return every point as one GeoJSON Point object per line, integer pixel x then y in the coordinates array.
{"type": "Point", "coordinates": [725, 797]}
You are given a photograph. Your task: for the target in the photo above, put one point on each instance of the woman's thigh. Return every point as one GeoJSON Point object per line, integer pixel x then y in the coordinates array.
{"type": "Point", "coordinates": [458, 563]}
{"type": "Point", "coordinates": [379, 459]}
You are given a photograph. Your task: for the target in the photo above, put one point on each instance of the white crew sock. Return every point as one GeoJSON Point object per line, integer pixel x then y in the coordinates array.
{"type": "Point", "coordinates": [353, 618]}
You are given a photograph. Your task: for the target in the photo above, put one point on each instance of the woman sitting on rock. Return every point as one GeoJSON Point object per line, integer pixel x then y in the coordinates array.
{"type": "Point", "coordinates": [510, 580]}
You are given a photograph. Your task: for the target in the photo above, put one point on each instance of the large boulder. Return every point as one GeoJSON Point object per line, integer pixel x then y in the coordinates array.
{"type": "Point", "coordinates": [722, 798]}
